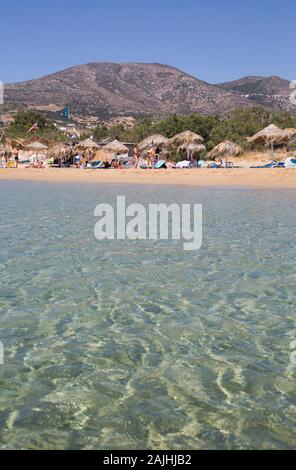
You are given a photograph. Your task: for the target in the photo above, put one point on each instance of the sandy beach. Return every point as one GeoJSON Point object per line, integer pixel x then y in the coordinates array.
{"type": "Point", "coordinates": [276, 178]}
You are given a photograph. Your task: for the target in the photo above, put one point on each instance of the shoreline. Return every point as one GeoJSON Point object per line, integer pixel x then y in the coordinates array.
{"type": "Point", "coordinates": [267, 178]}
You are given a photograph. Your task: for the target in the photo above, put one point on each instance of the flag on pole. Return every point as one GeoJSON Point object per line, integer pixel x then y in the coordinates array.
{"type": "Point", "coordinates": [66, 113]}
{"type": "Point", "coordinates": [35, 127]}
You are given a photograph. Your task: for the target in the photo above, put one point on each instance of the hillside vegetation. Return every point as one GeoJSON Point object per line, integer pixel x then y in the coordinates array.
{"type": "Point", "coordinates": [240, 124]}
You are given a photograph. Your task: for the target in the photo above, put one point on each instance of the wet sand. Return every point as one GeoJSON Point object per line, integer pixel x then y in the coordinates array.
{"type": "Point", "coordinates": [277, 178]}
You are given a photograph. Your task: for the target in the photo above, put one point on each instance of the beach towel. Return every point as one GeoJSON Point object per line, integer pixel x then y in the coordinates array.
{"type": "Point", "coordinates": [184, 164]}
{"type": "Point", "coordinates": [268, 165]}
{"type": "Point", "coordinates": [97, 165]}
{"type": "Point", "coordinates": [290, 163]}
{"type": "Point", "coordinates": [160, 164]}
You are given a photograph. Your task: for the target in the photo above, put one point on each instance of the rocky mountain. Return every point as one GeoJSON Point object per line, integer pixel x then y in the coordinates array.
{"type": "Point", "coordinates": [133, 89]}
{"type": "Point", "coordinates": [270, 92]}
{"type": "Point", "coordinates": [108, 90]}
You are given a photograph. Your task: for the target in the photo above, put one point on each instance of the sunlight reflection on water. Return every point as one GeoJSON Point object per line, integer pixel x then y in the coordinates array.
{"type": "Point", "coordinates": [132, 345]}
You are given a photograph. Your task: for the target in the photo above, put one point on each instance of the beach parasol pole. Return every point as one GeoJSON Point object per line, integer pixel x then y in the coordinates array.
{"type": "Point", "coordinates": [289, 146]}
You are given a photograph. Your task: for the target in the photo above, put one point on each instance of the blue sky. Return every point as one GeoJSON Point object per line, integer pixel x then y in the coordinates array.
{"type": "Point", "coordinates": [213, 40]}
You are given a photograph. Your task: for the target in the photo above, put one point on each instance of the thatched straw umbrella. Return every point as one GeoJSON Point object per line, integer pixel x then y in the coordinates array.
{"type": "Point", "coordinates": [87, 144]}
{"type": "Point", "coordinates": [38, 148]}
{"type": "Point", "coordinates": [288, 136]}
{"type": "Point", "coordinates": [267, 136]}
{"type": "Point", "coordinates": [156, 140]}
{"type": "Point", "coordinates": [88, 147]}
{"type": "Point", "coordinates": [61, 151]}
{"type": "Point", "coordinates": [193, 148]}
{"type": "Point", "coordinates": [116, 147]}
{"type": "Point", "coordinates": [226, 148]}
{"type": "Point", "coordinates": [4, 151]}
{"type": "Point", "coordinates": [15, 143]}
{"type": "Point", "coordinates": [185, 139]}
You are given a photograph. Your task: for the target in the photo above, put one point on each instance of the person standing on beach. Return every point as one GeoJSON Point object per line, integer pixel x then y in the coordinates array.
{"type": "Point", "coordinates": [157, 154]}
{"type": "Point", "coordinates": [136, 156]}
{"type": "Point", "coordinates": [16, 159]}
{"type": "Point", "coordinates": [77, 161]}
{"type": "Point", "coordinates": [150, 157]}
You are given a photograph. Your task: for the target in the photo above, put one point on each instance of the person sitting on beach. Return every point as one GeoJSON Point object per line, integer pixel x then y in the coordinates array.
{"type": "Point", "coordinates": [38, 165]}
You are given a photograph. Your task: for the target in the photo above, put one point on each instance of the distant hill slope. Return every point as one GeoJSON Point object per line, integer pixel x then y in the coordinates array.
{"type": "Point", "coordinates": [107, 90]}
{"type": "Point", "coordinates": [271, 92]}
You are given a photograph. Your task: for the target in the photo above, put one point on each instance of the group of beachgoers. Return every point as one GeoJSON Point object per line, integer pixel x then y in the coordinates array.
{"type": "Point", "coordinates": [10, 160]}
{"type": "Point", "coordinates": [87, 164]}
{"type": "Point", "coordinates": [151, 158]}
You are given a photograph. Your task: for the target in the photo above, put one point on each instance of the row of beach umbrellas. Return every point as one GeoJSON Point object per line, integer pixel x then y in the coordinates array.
{"type": "Point", "coordinates": [188, 141]}
{"type": "Point", "coordinates": [88, 148]}
{"type": "Point", "coordinates": [192, 143]}
{"type": "Point", "coordinates": [185, 141]}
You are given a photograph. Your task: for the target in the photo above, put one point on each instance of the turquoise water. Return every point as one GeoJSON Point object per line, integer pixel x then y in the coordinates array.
{"type": "Point", "coordinates": [129, 345]}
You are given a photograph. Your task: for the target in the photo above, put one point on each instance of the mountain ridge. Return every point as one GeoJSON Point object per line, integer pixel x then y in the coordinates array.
{"type": "Point", "coordinates": [272, 92]}
{"type": "Point", "coordinates": [107, 90]}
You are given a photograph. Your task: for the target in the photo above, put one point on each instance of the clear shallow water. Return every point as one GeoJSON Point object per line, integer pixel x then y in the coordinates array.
{"type": "Point", "coordinates": [127, 345]}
